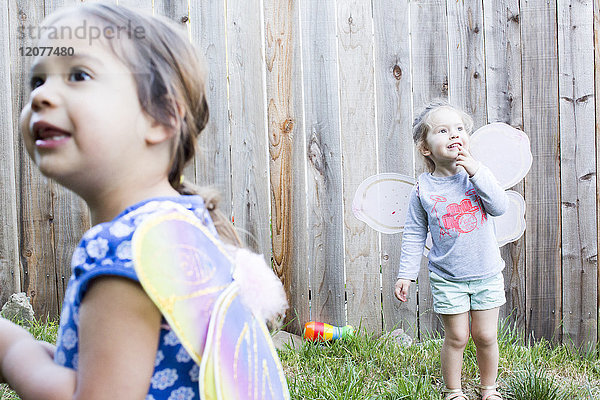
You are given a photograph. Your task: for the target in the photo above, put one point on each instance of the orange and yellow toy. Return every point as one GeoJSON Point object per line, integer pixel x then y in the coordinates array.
{"type": "Point", "coordinates": [323, 332]}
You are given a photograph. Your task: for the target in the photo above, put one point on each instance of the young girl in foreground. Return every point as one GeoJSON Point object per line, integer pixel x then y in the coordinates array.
{"type": "Point", "coordinates": [115, 123]}
{"type": "Point", "coordinates": [453, 201]}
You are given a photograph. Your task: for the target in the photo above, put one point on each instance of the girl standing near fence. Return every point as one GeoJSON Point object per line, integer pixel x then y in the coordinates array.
{"type": "Point", "coordinates": [115, 120]}
{"type": "Point", "coordinates": [453, 202]}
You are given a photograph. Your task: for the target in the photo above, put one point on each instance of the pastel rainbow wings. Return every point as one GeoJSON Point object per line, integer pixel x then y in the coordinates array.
{"type": "Point", "coordinates": [187, 272]}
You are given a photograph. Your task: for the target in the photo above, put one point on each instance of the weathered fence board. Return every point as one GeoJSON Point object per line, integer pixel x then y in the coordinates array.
{"type": "Point", "coordinates": [307, 99]}
{"type": "Point", "coordinates": [542, 185]}
{"type": "Point", "coordinates": [287, 153]}
{"type": "Point", "coordinates": [144, 5]}
{"type": "Point", "coordinates": [391, 21]}
{"type": "Point", "coordinates": [213, 163]}
{"type": "Point", "coordinates": [429, 40]}
{"type": "Point", "coordinates": [36, 231]}
{"type": "Point", "coordinates": [359, 159]}
{"type": "Point", "coordinates": [51, 5]}
{"type": "Point", "coordinates": [10, 280]}
{"type": "Point", "coordinates": [504, 104]}
{"type": "Point", "coordinates": [69, 218]}
{"type": "Point", "coordinates": [178, 12]}
{"type": "Point", "coordinates": [249, 167]}
{"type": "Point", "coordinates": [578, 169]}
{"type": "Point", "coordinates": [596, 9]}
{"type": "Point", "coordinates": [466, 59]}
{"type": "Point", "coordinates": [325, 261]}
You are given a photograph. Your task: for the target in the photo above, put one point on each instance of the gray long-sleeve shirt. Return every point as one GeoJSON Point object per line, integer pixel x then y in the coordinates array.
{"type": "Point", "coordinates": [455, 209]}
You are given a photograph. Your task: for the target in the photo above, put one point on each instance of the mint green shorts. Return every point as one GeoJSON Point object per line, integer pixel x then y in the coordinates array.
{"type": "Point", "coordinates": [450, 297]}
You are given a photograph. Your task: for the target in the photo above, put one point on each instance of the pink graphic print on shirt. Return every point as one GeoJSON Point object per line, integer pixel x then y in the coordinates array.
{"type": "Point", "coordinates": [460, 217]}
{"type": "Point", "coordinates": [473, 192]}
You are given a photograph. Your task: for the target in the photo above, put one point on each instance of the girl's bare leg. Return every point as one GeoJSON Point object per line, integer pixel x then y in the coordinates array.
{"type": "Point", "coordinates": [484, 329]}
{"type": "Point", "coordinates": [456, 327]}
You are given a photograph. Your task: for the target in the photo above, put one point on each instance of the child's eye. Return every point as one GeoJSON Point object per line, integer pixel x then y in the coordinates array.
{"type": "Point", "coordinates": [35, 82]}
{"type": "Point", "coordinates": [460, 128]}
{"type": "Point", "coordinates": [443, 130]}
{"type": "Point", "coordinates": [79, 75]}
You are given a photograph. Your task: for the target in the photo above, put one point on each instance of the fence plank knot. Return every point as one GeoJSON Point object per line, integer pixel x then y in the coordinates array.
{"type": "Point", "coordinates": [287, 125]}
{"type": "Point", "coordinates": [397, 71]}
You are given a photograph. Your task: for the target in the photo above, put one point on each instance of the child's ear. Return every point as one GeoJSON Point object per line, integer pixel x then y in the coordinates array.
{"type": "Point", "coordinates": [425, 150]}
{"type": "Point", "coordinates": [158, 133]}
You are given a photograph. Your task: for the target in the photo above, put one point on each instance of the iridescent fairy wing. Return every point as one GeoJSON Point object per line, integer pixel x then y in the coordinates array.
{"type": "Point", "coordinates": [381, 201]}
{"type": "Point", "coordinates": [240, 361]}
{"type": "Point", "coordinates": [183, 269]}
{"type": "Point", "coordinates": [187, 273]}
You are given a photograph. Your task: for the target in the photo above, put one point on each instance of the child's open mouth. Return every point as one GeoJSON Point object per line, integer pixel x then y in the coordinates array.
{"type": "Point", "coordinates": [49, 136]}
{"type": "Point", "coordinates": [454, 146]}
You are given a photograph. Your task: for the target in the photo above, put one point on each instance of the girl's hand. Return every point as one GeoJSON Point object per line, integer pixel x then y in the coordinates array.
{"type": "Point", "coordinates": [401, 289]}
{"type": "Point", "coordinates": [27, 366]}
{"type": "Point", "coordinates": [466, 160]}
{"type": "Point", "coordinates": [10, 334]}
{"type": "Point", "coordinates": [119, 328]}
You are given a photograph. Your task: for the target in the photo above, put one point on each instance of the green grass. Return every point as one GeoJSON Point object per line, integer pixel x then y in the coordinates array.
{"type": "Point", "coordinates": [368, 367]}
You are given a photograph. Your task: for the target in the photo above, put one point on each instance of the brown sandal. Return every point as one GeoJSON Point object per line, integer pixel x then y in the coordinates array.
{"type": "Point", "coordinates": [454, 394]}
{"type": "Point", "coordinates": [493, 395]}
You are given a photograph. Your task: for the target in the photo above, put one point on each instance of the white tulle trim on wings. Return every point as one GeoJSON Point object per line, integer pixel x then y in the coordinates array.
{"type": "Point", "coordinates": [260, 289]}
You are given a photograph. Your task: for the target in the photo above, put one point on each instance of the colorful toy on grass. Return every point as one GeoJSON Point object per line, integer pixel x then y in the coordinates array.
{"type": "Point", "coordinates": [322, 332]}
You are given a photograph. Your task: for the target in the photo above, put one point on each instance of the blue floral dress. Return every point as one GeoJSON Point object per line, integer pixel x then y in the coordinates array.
{"type": "Point", "coordinates": [106, 250]}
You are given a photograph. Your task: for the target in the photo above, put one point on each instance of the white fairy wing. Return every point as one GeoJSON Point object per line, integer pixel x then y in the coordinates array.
{"type": "Point", "coordinates": [504, 150]}
{"type": "Point", "coordinates": [381, 201]}
{"type": "Point", "coordinates": [510, 226]}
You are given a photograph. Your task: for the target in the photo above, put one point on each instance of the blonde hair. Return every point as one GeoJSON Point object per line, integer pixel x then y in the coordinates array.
{"type": "Point", "coordinates": [170, 80]}
{"type": "Point", "coordinates": [422, 125]}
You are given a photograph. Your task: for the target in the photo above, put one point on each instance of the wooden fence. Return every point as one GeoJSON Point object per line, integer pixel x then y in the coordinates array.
{"type": "Point", "coordinates": [310, 97]}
